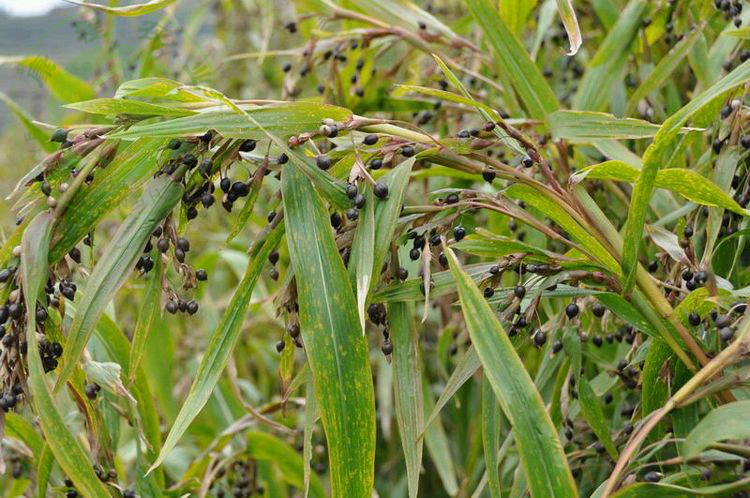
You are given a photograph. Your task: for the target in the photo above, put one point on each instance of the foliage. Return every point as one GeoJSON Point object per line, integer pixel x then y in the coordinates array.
{"type": "Point", "coordinates": [465, 248]}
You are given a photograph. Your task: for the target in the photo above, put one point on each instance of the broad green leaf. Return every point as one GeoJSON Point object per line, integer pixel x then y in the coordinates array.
{"type": "Point", "coordinates": [41, 136]}
{"type": "Point", "coordinates": [116, 264]}
{"type": "Point", "coordinates": [725, 422]}
{"type": "Point", "coordinates": [149, 314]}
{"type": "Point", "coordinates": [656, 156]}
{"type": "Point", "coordinates": [491, 425]}
{"type": "Point", "coordinates": [335, 347]}
{"type": "Point", "coordinates": [592, 411]}
{"type": "Point", "coordinates": [569, 20]}
{"type": "Point", "coordinates": [556, 213]}
{"type": "Point", "coordinates": [686, 182]}
{"type": "Point", "coordinates": [607, 65]}
{"type": "Point", "coordinates": [262, 446]}
{"type": "Point", "coordinates": [542, 458]}
{"type": "Point", "coordinates": [221, 346]}
{"type": "Point", "coordinates": [127, 106]}
{"type": "Point", "coordinates": [407, 389]}
{"type": "Point", "coordinates": [514, 61]}
{"type": "Point", "coordinates": [663, 70]}
{"type": "Point", "coordinates": [62, 85]}
{"type": "Point", "coordinates": [65, 447]}
{"type": "Point", "coordinates": [282, 119]}
{"type": "Point", "coordinates": [129, 11]}
{"type": "Point", "coordinates": [587, 126]}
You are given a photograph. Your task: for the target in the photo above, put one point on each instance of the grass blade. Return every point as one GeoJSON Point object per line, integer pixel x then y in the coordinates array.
{"type": "Point", "coordinates": [129, 11]}
{"type": "Point", "coordinates": [437, 445]}
{"type": "Point", "coordinates": [262, 446]}
{"type": "Point", "coordinates": [118, 260]}
{"type": "Point", "coordinates": [336, 349]}
{"type": "Point", "coordinates": [539, 447]}
{"type": "Point", "coordinates": [362, 261]}
{"type": "Point", "coordinates": [724, 422]}
{"type": "Point", "coordinates": [65, 447]}
{"type": "Point", "coordinates": [655, 156]}
{"type": "Point", "coordinates": [491, 425]}
{"type": "Point", "coordinates": [407, 389]}
{"type": "Point", "coordinates": [568, 16]}
{"type": "Point", "coordinates": [514, 61]}
{"type": "Point", "coordinates": [288, 119]}
{"type": "Point", "coordinates": [221, 346]}
{"type": "Point", "coordinates": [150, 312]}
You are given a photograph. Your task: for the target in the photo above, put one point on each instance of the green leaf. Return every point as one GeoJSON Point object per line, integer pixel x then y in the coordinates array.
{"type": "Point", "coordinates": [130, 11]}
{"type": "Point", "coordinates": [491, 425]}
{"type": "Point", "coordinates": [65, 447]}
{"type": "Point", "coordinates": [587, 126]}
{"type": "Point", "coordinates": [725, 422]}
{"type": "Point", "coordinates": [407, 389]}
{"type": "Point", "coordinates": [387, 212]}
{"type": "Point", "coordinates": [283, 119]}
{"type": "Point", "coordinates": [656, 156]}
{"type": "Point", "coordinates": [569, 20]}
{"type": "Point", "coordinates": [438, 446]}
{"type": "Point", "coordinates": [127, 173]}
{"type": "Point", "coordinates": [149, 314]}
{"type": "Point", "coordinates": [466, 367]}
{"type": "Point", "coordinates": [221, 346]}
{"type": "Point", "coordinates": [21, 429]}
{"type": "Point", "coordinates": [515, 13]}
{"type": "Point", "coordinates": [626, 312]}
{"type": "Point", "coordinates": [592, 411]}
{"type": "Point", "coordinates": [607, 65]}
{"type": "Point", "coordinates": [62, 85]}
{"type": "Point", "coordinates": [43, 471]}
{"type": "Point", "coordinates": [514, 61]}
{"type": "Point", "coordinates": [556, 213]}
{"type": "Point", "coordinates": [262, 446]}
{"type": "Point", "coordinates": [686, 182]}
{"type": "Point", "coordinates": [127, 106]}
{"type": "Point", "coordinates": [247, 208]}
{"type": "Point", "coordinates": [115, 265]}
{"type": "Point", "coordinates": [663, 70]}
{"type": "Point", "coordinates": [361, 263]}
{"type": "Point", "coordinates": [539, 448]}
{"type": "Point", "coordinates": [335, 347]}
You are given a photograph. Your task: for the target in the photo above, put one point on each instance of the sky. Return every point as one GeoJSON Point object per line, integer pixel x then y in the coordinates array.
{"type": "Point", "coordinates": [29, 7]}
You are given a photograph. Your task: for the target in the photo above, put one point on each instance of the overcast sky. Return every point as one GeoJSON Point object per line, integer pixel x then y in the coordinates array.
{"type": "Point", "coordinates": [29, 7]}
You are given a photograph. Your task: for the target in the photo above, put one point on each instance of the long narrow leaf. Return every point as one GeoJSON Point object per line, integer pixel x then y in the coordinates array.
{"type": "Point", "coordinates": [336, 349]}
{"type": "Point", "coordinates": [116, 264]}
{"type": "Point", "coordinates": [539, 447]}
